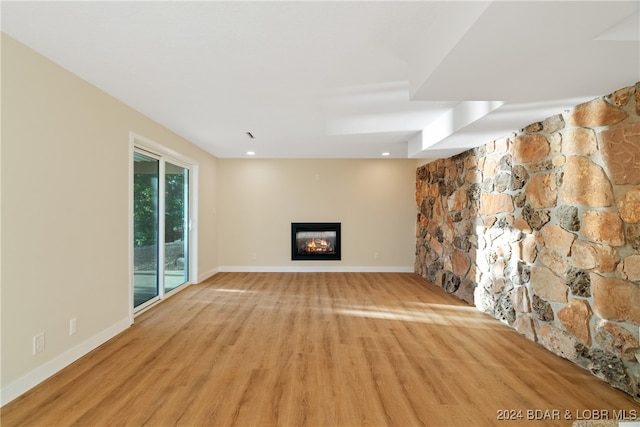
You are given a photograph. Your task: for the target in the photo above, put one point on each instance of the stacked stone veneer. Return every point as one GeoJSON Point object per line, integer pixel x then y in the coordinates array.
{"type": "Point", "coordinates": [542, 231]}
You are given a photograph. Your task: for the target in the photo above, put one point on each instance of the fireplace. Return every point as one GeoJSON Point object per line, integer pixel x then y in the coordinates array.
{"type": "Point", "coordinates": [315, 241]}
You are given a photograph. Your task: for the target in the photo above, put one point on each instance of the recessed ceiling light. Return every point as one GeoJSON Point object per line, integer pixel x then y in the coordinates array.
{"type": "Point", "coordinates": [251, 153]}
{"type": "Point", "coordinates": [386, 153]}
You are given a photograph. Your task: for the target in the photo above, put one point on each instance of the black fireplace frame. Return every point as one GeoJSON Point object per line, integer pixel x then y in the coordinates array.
{"type": "Point", "coordinates": [296, 227]}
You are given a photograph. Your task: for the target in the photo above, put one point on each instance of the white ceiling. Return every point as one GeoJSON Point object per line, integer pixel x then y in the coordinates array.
{"type": "Point", "coordinates": [335, 79]}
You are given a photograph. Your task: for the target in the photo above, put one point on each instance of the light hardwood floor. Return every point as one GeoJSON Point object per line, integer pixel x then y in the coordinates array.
{"type": "Point", "coordinates": [315, 349]}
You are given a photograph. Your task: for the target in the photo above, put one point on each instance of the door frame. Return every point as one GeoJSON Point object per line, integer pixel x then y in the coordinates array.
{"type": "Point", "coordinates": [137, 141]}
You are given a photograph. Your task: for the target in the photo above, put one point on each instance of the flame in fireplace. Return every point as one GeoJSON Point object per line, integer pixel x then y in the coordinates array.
{"type": "Point", "coordinates": [317, 245]}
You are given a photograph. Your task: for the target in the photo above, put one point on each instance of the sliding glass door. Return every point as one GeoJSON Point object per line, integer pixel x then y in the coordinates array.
{"type": "Point", "coordinates": [146, 200]}
{"type": "Point", "coordinates": [176, 226]}
{"type": "Point", "coordinates": [160, 227]}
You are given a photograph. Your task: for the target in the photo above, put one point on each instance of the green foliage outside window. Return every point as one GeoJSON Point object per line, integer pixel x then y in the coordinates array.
{"type": "Point", "coordinates": [174, 207]}
{"type": "Point", "coordinates": [145, 219]}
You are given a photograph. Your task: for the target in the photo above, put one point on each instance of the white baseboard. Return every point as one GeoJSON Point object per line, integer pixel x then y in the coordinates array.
{"type": "Point", "coordinates": [48, 369]}
{"type": "Point", "coordinates": [314, 269]}
{"type": "Point", "coordinates": [204, 276]}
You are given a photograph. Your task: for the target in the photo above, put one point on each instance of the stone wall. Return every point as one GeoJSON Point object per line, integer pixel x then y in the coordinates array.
{"type": "Point", "coordinates": [542, 231]}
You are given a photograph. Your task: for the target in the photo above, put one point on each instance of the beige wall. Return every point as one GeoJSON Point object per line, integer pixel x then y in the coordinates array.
{"type": "Point", "coordinates": [65, 213]}
{"type": "Point", "coordinates": [373, 199]}
{"type": "Point", "coordinates": [65, 209]}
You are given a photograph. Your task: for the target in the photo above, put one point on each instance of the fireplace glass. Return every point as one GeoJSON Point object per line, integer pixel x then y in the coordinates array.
{"type": "Point", "coordinates": [315, 241]}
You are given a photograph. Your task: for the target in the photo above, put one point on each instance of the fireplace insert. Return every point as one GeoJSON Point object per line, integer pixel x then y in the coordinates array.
{"type": "Point", "coordinates": [315, 241]}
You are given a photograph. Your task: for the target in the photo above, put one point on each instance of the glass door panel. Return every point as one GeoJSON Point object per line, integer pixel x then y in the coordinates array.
{"type": "Point", "coordinates": [176, 226]}
{"type": "Point", "coordinates": [145, 229]}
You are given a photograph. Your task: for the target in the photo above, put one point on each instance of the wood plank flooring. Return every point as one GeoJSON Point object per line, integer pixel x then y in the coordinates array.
{"type": "Point", "coordinates": [314, 349]}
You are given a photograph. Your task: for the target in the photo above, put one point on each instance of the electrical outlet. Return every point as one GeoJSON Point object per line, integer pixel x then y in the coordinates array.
{"type": "Point", "coordinates": [376, 255]}
{"type": "Point", "coordinates": [38, 343]}
{"type": "Point", "coordinates": [254, 256]}
{"type": "Point", "coordinates": [73, 326]}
